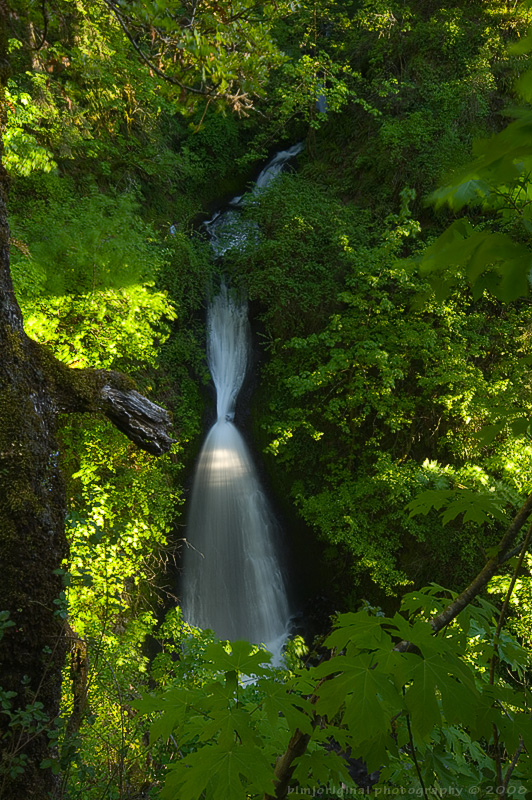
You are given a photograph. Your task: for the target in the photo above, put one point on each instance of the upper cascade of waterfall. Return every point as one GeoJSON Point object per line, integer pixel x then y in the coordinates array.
{"type": "Point", "coordinates": [224, 234]}
{"type": "Point", "coordinates": [275, 165]}
{"type": "Point", "coordinates": [228, 339]}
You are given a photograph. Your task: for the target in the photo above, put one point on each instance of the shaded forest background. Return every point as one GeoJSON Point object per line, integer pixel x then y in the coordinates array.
{"type": "Point", "coordinates": [392, 398]}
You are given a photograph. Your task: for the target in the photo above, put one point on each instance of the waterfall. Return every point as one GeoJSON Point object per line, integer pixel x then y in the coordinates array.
{"type": "Point", "coordinates": [232, 578]}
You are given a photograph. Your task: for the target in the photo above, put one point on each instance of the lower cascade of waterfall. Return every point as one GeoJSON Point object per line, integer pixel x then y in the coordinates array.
{"type": "Point", "coordinates": [232, 578]}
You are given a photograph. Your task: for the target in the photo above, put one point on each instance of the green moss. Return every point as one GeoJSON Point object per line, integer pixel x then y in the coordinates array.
{"type": "Point", "coordinates": [79, 389]}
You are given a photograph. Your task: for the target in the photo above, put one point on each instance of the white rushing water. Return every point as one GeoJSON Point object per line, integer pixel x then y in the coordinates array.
{"type": "Point", "coordinates": [222, 233]}
{"type": "Point", "coordinates": [232, 577]}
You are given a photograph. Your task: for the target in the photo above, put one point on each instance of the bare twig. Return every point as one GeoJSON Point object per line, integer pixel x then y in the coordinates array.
{"type": "Point", "coordinates": [116, 11]}
{"type": "Point", "coordinates": [414, 756]}
{"type": "Point", "coordinates": [478, 583]}
{"type": "Point", "coordinates": [512, 765]}
{"type": "Point", "coordinates": [240, 101]}
{"type": "Point", "coordinates": [504, 609]}
{"type": "Point", "coordinates": [502, 784]}
{"type": "Point", "coordinates": [45, 28]}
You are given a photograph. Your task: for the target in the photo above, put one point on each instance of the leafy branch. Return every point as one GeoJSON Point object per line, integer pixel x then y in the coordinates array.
{"type": "Point", "coordinates": [502, 554]}
{"type": "Point", "coordinates": [206, 48]}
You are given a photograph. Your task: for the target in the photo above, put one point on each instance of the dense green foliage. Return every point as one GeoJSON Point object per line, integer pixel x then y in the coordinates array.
{"type": "Point", "coordinates": [387, 395]}
{"type": "Point", "coordinates": [392, 404]}
{"type": "Point", "coordinates": [440, 697]}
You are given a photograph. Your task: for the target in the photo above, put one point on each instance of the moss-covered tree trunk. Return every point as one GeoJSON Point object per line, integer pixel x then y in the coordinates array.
{"type": "Point", "coordinates": [32, 544]}
{"type": "Point", "coordinates": [34, 390]}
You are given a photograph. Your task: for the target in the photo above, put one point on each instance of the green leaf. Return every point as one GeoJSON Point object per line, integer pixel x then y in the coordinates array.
{"type": "Point", "coordinates": [490, 432]}
{"type": "Point", "coordinates": [321, 766]}
{"type": "Point", "coordinates": [173, 708]}
{"type": "Point", "coordinates": [370, 697]}
{"type": "Point", "coordinates": [485, 716]}
{"type": "Point", "coordinates": [225, 773]}
{"type": "Point", "coordinates": [460, 703]}
{"type": "Point", "coordinates": [243, 658]}
{"type": "Point", "coordinates": [523, 724]}
{"type": "Point", "coordinates": [452, 248]}
{"type": "Point", "coordinates": [359, 628]}
{"type": "Point", "coordinates": [429, 499]}
{"type": "Point", "coordinates": [420, 633]}
{"type": "Point", "coordinates": [375, 752]}
{"type": "Point", "coordinates": [426, 600]}
{"type": "Point", "coordinates": [520, 426]}
{"type": "Point", "coordinates": [523, 85]}
{"type": "Point", "coordinates": [489, 260]}
{"type": "Point", "coordinates": [421, 696]}
{"type": "Point", "coordinates": [298, 711]}
{"type": "Point", "coordinates": [148, 704]}
{"type": "Point", "coordinates": [188, 778]}
{"type": "Point", "coordinates": [461, 194]}
{"type": "Point", "coordinates": [522, 45]}
{"type": "Point", "coordinates": [475, 507]}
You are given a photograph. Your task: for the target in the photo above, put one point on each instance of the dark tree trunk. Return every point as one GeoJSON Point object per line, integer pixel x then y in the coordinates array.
{"type": "Point", "coordinates": [34, 389]}
{"type": "Point", "coordinates": [32, 546]}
